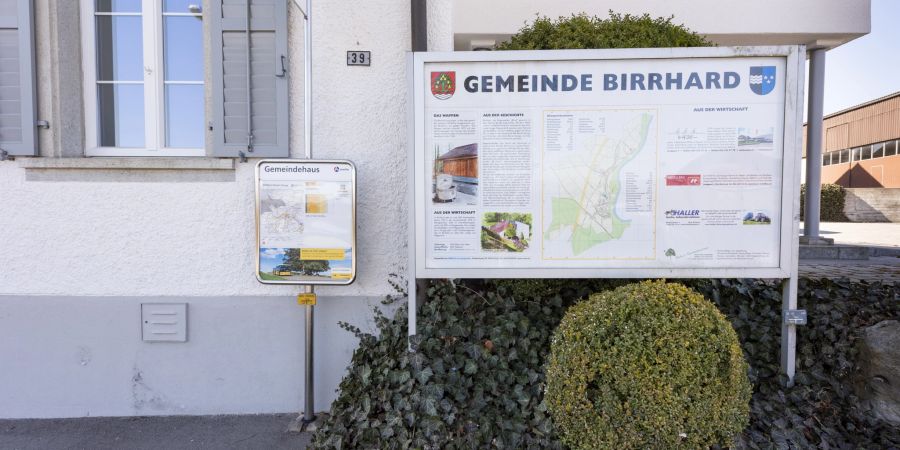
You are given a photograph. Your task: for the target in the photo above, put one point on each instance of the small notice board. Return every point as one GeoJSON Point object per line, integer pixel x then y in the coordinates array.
{"type": "Point", "coordinates": [306, 222]}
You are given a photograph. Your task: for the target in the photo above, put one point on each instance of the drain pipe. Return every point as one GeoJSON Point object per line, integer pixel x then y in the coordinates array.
{"type": "Point", "coordinates": [309, 389]}
{"type": "Point", "coordinates": [419, 21]}
{"type": "Point", "coordinates": [415, 289]}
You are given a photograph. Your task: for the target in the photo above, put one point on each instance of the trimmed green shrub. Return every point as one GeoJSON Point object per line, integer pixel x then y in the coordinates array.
{"type": "Point", "coordinates": [648, 365]}
{"type": "Point", "coordinates": [617, 31]}
{"type": "Point", "coordinates": [831, 208]}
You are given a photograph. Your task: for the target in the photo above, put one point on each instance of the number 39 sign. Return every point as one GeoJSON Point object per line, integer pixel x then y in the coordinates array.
{"type": "Point", "coordinates": [359, 58]}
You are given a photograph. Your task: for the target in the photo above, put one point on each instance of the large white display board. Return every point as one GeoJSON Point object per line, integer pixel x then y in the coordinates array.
{"type": "Point", "coordinates": [635, 163]}
{"type": "Point", "coordinates": [305, 222]}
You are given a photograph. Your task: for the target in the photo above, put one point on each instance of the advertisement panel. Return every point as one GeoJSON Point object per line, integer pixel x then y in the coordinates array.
{"type": "Point", "coordinates": [642, 162]}
{"type": "Point", "coordinates": [305, 222]}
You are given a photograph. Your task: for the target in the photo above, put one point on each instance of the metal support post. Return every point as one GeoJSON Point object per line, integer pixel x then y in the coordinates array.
{"type": "Point", "coordinates": [309, 395]}
{"type": "Point", "coordinates": [814, 147]}
{"type": "Point", "coordinates": [412, 306]}
{"type": "Point", "coordinates": [307, 80]}
{"type": "Point", "coordinates": [308, 389]}
{"type": "Point", "coordinates": [789, 327]}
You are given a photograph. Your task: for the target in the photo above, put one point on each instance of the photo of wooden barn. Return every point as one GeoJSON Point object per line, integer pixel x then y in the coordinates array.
{"type": "Point", "coordinates": [462, 164]}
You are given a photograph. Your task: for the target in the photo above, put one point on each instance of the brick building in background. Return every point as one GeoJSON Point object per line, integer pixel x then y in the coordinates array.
{"type": "Point", "coordinates": [861, 147]}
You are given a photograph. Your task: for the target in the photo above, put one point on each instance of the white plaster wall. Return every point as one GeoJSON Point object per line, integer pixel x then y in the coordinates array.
{"type": "Point", "coordinates": [150, 235]}
{"type": "Point", "coordinates": [81, 250]}
{"type": "Point", "coordinates": [440, 25]}
{"type": "Point", "coordinates": [83, 356]}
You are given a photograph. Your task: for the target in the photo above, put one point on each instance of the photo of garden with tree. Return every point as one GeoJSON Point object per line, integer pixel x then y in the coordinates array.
{"type": "Point", "coordinates": [278, 264]}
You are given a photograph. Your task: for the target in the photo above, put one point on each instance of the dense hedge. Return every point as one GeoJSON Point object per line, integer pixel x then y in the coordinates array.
{"type": "Point", "coordinates": [831, 208]}
{"type": "Point", "coordinates": [821, 410]}
{"type": "Point", "coordinates": [477, 379]}
{"type": "Point", "coordinates": [616, 31]}
{"type": "Point", "coordinates": [647, 365]}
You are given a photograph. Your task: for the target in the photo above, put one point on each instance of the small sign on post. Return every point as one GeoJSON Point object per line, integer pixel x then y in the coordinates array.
{"type": "Point", "coordinates": [306, 222]}
{"type": "Point", "coordinates": [306, 299]}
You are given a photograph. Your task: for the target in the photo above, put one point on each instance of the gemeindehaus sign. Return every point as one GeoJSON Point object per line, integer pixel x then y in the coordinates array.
{"type": "Point", "coordinates": [306, 222]}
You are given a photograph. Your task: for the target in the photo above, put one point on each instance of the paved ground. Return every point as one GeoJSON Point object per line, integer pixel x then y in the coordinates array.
{"type": "Point", "coordinates": [885, 269]}
{"type": "Point", "coordinates": [877, 234]}
{"type": "Point", "coordinates": [265, 431]}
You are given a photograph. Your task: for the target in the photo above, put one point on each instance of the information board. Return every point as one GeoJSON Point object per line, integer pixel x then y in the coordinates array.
{"type": "Point", "coordinates": [655, 162]}
{"type": "Point", "coordinates": [306, 222]}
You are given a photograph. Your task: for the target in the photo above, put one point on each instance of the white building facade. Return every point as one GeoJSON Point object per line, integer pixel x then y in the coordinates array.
{"type": "Point", "coordinates": [128, 127]}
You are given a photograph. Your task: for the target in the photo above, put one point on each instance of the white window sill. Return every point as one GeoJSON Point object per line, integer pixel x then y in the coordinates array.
{"type": "Point", "coordinates": [129, 163]}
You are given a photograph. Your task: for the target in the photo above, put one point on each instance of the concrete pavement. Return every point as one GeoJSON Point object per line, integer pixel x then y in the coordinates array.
{"type": "Point", "coordinates": [264, 431]}
{"type": "Point", "coordinates": [886, 234]}
{"type": "Point", "coordinates": [884, 269]}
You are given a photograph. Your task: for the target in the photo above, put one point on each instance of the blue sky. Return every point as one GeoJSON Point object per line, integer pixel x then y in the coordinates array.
{"type": "Point", "coordinates": [867, 67]}
{"type": "Point", "coordinates": [269, 258]}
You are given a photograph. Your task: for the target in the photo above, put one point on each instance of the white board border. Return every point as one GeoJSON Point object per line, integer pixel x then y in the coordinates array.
{"type": "Point", "coordinates": [793, 117]}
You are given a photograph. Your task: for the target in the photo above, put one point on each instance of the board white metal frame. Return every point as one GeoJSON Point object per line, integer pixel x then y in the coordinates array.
{"type": "Point", "coordinates": [311, 162]}
{"type": "Point", "coordinates": [790, 193]}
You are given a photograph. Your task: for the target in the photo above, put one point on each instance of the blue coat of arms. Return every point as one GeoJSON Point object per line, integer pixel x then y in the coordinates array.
{"type": "Point", "coordinates": [762, 79]}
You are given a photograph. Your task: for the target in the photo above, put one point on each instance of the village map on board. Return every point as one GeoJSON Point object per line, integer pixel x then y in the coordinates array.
{"type": "Point", "coordinates": [586, 159]}
{"type": "Point", "coordinates": [281, 213]}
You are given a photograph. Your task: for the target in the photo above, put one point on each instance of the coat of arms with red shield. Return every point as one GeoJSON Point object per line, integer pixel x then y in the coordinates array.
{"type": "Point", "coordinates": [443, 84]}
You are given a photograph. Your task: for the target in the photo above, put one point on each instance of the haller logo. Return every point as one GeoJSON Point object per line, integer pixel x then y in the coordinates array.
{"type": "Point", "coordinates": [762, 79]}
{"type": "Point", "coordinates": [683, 214]}
{"type": "Point", "coordinates": [443, 84]}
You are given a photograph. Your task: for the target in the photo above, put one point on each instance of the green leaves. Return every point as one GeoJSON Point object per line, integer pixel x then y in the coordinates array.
{"type": "Point", "coordinates": [475, 381]}
{"type": "Point", "coordinates": [616, 31]}
{"type": "Point", "coordinates": [470, 367]}
{"type": "Point", "coordinates": [424, 375]}
{"type": "Point", "coordinates": [365, 372]}
{"type": "Point", "coordinates": [831, 206]}
{"type": "Point", "coordinates": [648, 365]}
{"type": "Point", "coordinates": [478, 377]}
{"type": "Point", "coordinates": [820, 410]}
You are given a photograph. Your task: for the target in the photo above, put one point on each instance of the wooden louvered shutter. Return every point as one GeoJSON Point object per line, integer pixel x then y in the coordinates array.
{"type": "Point", "coordinates": [18, 101]}
{"type": "Point", "coordinates": [264, 89]}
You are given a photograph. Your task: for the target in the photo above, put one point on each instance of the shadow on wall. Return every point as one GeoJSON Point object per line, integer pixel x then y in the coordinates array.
{"type": "Point", "coordinates": [872, 204]}
{"type": "Point", "coordinates": [859, 177]}
{"type": "Point", "coordinates": [844, 179]}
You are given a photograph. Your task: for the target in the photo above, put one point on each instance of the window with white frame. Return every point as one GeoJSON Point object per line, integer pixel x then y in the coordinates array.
{"type": "Point", "coordinates": [144, 77]}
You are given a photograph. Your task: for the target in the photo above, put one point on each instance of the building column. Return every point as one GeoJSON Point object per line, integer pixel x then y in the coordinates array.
{"type": "Point", "coordinates": [814, 148]}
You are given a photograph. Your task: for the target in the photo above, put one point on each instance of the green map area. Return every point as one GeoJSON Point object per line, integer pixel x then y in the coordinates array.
{"type": "Point", "coordinates": [584, 209]}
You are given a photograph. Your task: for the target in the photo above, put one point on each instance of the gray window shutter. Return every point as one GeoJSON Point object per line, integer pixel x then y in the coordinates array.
{"type": "Point", "coordinates": [18, 102]}
{"type": "Point", "coordinates": [267, 85]}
